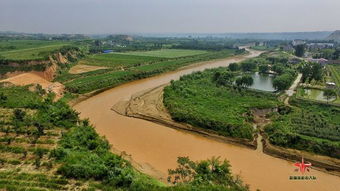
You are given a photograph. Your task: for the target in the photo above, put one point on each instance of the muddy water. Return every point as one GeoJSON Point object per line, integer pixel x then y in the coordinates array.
{"type": "Point", "coordinates": [158, 146]}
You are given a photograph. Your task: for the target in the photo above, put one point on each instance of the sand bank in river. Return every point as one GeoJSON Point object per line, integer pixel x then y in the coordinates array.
{"type": "Point", "coordinates": [148, 105]}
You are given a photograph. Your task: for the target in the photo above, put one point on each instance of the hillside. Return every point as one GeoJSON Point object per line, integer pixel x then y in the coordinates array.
{"type": "Point", "coordinates": [334, 36]}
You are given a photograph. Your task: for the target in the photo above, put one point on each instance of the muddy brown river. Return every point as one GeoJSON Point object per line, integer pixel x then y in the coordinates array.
{"type": "Point", "coordinates": [155, 147]}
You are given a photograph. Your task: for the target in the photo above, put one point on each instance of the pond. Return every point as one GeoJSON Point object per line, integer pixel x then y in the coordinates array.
{"type": "Point", "coordinates": [315, 94]}
{"type": "Point", "coordinates": [263, 82]}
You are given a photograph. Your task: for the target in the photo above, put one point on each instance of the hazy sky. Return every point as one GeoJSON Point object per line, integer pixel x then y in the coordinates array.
{"type": "Point", "coordinates": [168, 16]}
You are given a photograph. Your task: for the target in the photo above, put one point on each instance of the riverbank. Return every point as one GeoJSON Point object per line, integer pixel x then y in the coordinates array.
{"type": "Point", "coordinates": [212, 63]}
{"type": "Point", "coordinates": [158, 146]}
{"type": "Point", "coordinates": [148, 105]}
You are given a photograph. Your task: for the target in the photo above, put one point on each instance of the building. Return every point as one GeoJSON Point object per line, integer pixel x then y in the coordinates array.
{"type": "Point", "coordinates": [316, 46]}
{"type": "Point", "coordinates": [330, 85]}
{"type": "Point", "coordinates": [321, 61]}
{"type": "Point", "coordinates": [107, 51]}
{"type": "Point", "coordinates": [298, 42]}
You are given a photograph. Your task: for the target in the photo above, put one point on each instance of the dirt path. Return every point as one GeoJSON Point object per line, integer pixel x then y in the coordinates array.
{"type": "Point", "coordinates": [290, 92]}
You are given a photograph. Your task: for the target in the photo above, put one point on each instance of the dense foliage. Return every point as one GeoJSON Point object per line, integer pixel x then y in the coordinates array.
{"type": "Point", "coordinates": [300, 50]}
{"type": "Point", "coordinates": [311, 71]}
{"type": "Point", "coordinates": [206, 172]}
{"type": "Point", "coordinates": [310, 126]}
{"type": "Point", "coordinates": [200, 100]}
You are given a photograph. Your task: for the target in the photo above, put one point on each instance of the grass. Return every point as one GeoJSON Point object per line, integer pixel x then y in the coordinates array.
{"type": "Point", "coordinates": [196, 99]}
{"type": "Point", "coordinates": [18, 97]}
{"type": "Point", "coordinates": [117, 61]}
{"type": "Point", "coordinates": [136, 67]}
{"type": "Point", "coordinates": [28, 49]}
{"type": "Point", "coordinates": [167, 53]}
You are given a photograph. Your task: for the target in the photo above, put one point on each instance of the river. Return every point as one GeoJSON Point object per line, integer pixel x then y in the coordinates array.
{"type": "Point", "coordinates": [157, 147]}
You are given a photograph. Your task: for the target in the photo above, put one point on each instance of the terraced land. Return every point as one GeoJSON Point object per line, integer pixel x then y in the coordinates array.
{"type": "Point", "coordinates": [28, 49]}
{"type": "Point", "coordinates": [25, 144]}
{"type": "Point", "coordinates": [42, 147]}
{"type": "Point", "coordinates": [123, 68]}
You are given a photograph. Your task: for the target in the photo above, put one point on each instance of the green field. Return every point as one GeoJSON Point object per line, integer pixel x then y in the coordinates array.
{"type": "Point", "coordinates": [135, 67]}
{"type": "Point", "coordinates": [118, 61]}
{"type": "Point", "coordinates": [197, 99]}
{"type": "Point", "coordinates": [28, 49]}
{"type": "Point", "coordinates": [167, 53]}
{"type": "Point", "coordinates": [309, 126]}
{"type": "Point", "coordinates": [335, 72]}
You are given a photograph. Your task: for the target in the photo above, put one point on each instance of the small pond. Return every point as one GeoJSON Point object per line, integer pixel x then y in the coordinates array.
{"type": "Point", "coordinates": [263, 82]}
{"type": "Point", "coordinates": [315, 94]}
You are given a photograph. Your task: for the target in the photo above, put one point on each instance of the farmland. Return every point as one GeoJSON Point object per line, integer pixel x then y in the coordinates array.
{"type": "Point", "coordinates": [167, 53]}
{"type": "Point", "coordinates": [123, 68]}
{"type": "Point", "coordinates": [28, 49]}
{"type": "Point", "coordinates": [117, 61]}
{"type": "Point", "coordinates": [197, 99]}
{"type": "Point", "coordinates": [39, 139]}
{"type": "Point", "coordinates": [45, 146]}
{"type": "Point", "coordinates": [309, 126]}
{"type": "Point", "coordinates": [335, 73]}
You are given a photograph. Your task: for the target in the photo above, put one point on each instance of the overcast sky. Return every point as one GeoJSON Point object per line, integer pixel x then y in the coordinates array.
{"type": "Point", "coordinates": [168, 16]}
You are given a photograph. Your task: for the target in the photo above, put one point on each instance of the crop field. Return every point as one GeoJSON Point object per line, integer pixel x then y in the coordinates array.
{"type": "Point", "coordinates": [309, 126]}
{"type": "Point", "coordinates": [167, 53]}
{"type": "Point", "coordinates": [197, 100]}
{"type": "Point", "coordinates": [335, 72]}
{"type": "Point", "coordinates": [28, 49]}
{"type": "Point", "coordinates": [118, 61]}
{"type": "Point", "coordinates": [124, 68]}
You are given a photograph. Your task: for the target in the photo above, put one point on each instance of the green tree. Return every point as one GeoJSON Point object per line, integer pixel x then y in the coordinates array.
{"type": "Point", "coordinates": [283, 81]}
{"type": "Point", "coordinates": [40, 90]}
{"type": "Point", "coordinates": [3, 98]}
{"type": "Point", "coordinates": [19, 114]}
{"type": "Point", "coordinates": [248, 66]}
{"type": "Point", "coordinates": [263, 68]}
{"type": "Point", "coordinates": [233, 67]}
{"type": "Point", "coordinates": [300, 50]}
{"type": "Point", "coordinates": [206, 172]}
{"type": "Point", "coordinates": [223, 78]}
{"type": "Point", "coordinates": [244, 81]}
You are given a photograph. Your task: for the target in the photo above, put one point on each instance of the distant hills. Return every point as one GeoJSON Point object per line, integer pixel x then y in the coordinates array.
{"type": "Point", "coordinates": [318, 35]}
{"type": "Point", "coordinates": [334, 36]}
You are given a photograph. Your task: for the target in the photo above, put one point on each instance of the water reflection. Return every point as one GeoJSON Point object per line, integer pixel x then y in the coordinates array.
{"type": "Point", "coordinates": [263, 82]}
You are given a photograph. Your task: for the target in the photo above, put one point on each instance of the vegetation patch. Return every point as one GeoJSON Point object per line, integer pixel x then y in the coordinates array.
{"type": "Point", "coordinates": [167, 53]}
{"type": "Point", "coordinates": [136, 68]}
{"type": "Point", "coordinates": [28, 49]}
{"type": "Point", "coordinates": [203, 101]}
{"type": "Point", "coordinates": [308, 126]}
